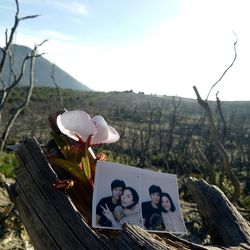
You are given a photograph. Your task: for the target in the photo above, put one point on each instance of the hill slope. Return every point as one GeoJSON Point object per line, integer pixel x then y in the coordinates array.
{"type": "Point", "coordinates": [42, 72]}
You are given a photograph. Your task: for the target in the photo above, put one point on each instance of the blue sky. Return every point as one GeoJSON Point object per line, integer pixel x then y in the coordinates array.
{"type": "Point", "coordinates": [159, 47]}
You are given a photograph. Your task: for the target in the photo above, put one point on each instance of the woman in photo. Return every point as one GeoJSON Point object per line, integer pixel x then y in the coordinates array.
{"type": "Point", "coordinates": [127, 212]}
{"type": "Point", "coordinates": [171, 217]}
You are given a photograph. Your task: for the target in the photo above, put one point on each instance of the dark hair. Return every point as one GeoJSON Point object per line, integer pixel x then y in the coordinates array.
{"type": "Point", "coordinates": [118, 183]}
{"type": "Point", "coordinates": [135, 196]}
{"type": "Point", "coordinates": [172, 206]}
{"type": "Point", "coordinates": [154, 189]}
{"type": "Point", "coordinates": [156, 223]}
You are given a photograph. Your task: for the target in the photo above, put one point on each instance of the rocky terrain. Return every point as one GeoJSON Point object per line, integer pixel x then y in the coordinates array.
{"type": "Point", "coordinates": [12, 232]}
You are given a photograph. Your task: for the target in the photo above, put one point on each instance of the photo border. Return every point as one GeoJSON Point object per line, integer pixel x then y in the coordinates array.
{"type": "Point", "coordinates": [140, 180]}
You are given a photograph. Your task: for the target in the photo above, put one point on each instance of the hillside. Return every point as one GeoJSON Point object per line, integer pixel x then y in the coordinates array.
{"type": "Point", "coordinates": [155, 131]}
{"type": "Point", "coordinates": [42, 72]}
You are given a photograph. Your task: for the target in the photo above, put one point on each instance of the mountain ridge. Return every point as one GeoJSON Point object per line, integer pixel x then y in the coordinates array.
{"type": "Point", "coordinates": [43, 68]}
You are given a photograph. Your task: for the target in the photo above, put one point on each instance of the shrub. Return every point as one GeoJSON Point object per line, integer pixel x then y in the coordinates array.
{"type": "Point", "coordinates": [7, 163]}
{"type": "Point", "coordinates": [245, 202]}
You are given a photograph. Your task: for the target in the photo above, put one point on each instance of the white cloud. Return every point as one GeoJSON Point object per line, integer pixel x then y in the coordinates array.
{"type": "Point", "coordinates": [73, 7]}
{"type": "Point", "coordinates": [57, 36]}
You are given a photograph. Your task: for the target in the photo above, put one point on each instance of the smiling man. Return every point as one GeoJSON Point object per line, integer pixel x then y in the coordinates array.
{"type": "Point", "coordinates": [151, 208]}
{"type": "Point", "coordinates": [117, 187]}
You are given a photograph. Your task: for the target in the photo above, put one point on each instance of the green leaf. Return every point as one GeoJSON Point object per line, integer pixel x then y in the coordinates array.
{"type": "Point", "coordinates": [71, 167]}
{"type": "Point", "coordinates": [86, 167]}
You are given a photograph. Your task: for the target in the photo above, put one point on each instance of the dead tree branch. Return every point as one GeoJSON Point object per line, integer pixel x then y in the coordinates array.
{"type": "Point", "coordinates": [227, 168]}
{"type": "Point", "coordinates": [15, 77]}
{"type": "Point", "coordinates": [26, 101]}
{"type": "Point", "coordinates": [52, 76]}
{"type": "Point", "coordinates": [170, 138]}
{"type": "Point", "coordinates": [9, 40]}
{"type": "Point", "coordinates": [203, 160]}
{"type": "Point", "coordinates": [221, 150]}
{"type": "Point", "coordinates": [221, 115]}
{"type": "Point", "coordinates": [224, 73]}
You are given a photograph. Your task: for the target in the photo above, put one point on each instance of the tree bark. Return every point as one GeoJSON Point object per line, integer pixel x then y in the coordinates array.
{"type": "Point", "coordinates": [53, 222]}
{"type": "Point", "coordinates": [226, 225]}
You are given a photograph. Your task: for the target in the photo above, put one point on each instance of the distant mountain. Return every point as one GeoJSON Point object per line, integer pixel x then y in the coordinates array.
{"type": "Point", "coordinates": [43, 70]}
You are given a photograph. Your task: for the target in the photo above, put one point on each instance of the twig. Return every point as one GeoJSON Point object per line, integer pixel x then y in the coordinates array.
{"type": "Point", "coordinates": [223, 74]}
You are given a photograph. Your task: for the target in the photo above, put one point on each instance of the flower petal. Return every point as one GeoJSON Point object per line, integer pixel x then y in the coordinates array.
{"type": "Point", "coordinates": [75, 122]}
{"type": "Point", "coordinates": [113, 135]}
{"type": "Point", "coordinates": [101, 130]}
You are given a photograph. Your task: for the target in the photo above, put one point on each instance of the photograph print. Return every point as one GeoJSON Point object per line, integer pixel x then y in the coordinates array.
{"type": "Point", "coordinates": [116, 196]}
{"type": "Point", "coordinates": [160, 203]}
{"type": "Point", "coordinates": [125, 194]}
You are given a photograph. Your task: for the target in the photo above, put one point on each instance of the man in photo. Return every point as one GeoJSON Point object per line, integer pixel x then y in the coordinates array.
{"type": "Point", "coordinates": [151, 209]}
{"type": "Point", "coordinates": [117, 187]}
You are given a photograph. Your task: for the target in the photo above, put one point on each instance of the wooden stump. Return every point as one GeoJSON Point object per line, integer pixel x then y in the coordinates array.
{"type": "Point", "coordinates": [226, 225]}
{"type": "Point", "coordinates": [53, 222]}
{"type": "Point", "coordinates": [47, 213]}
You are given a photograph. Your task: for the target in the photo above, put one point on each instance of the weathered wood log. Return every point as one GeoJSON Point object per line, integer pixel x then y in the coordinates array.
{"type": "Point", "coordinates": [53, 222]}
{"type": "Point", "coordinates": [226, 225]}
{"type": "Point", "coordinates": [51, 219]}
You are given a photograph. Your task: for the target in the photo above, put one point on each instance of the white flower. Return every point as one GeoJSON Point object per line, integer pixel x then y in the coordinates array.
{"type": "Point", "coordinates": [79, 123]}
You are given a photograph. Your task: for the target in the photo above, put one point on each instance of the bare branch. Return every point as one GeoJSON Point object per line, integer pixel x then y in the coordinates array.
{"type": "Point", "coordinates": [219, 147]}
{"type": "Point", "coordinates": [176, 103]}
{"type": "Point", "coordinates": [28, 17]}
{"type": "Point", "coordinates": [26, 101]}
{"type": "Point", "coordinates": [223, 74]}
{"type": "Point", "coordinates": [224, 126]}
{"type": "Point", "coordinates": [52, 76]}
{"type": "Point", "coordinates": [17, 8]}
{"type": "Point", "coordinates": [8, 40]}
{"type": "Point", "coordinates": [44, 41]}
{"type": "Point", "coordinates": [204, 161]}
{"type": "Point", "coordinates": [15, 77]}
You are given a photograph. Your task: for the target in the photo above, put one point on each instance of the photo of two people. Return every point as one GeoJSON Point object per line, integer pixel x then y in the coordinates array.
{"type": "Point", "coordinates": [125, 194]}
